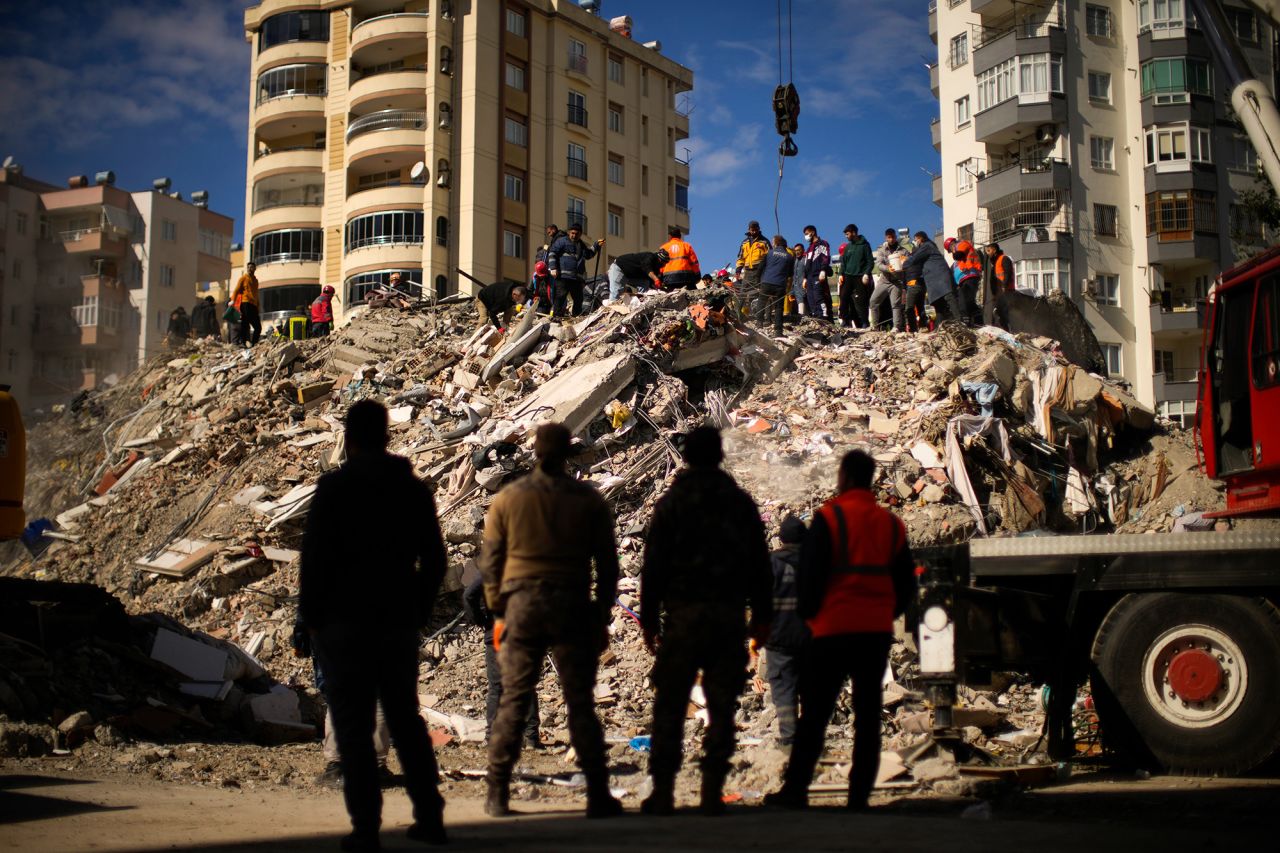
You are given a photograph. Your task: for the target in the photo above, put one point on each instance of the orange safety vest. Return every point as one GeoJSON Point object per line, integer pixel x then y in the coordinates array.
{"type": "Point", "coordinates": [683, 258]}
{"type": "Point", "coordinates": [969, 260]}
{"type": "Point", "coordinates": [865, 540]}
{"type": "Point", "coordinates": [1002, 272]}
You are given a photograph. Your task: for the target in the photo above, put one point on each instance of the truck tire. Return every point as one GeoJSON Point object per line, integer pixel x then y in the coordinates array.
{"type": "Point", "coordinates": [1191, 681]}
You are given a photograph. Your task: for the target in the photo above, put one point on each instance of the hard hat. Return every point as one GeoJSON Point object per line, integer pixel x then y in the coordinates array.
{"type": "Point", "coordinates": [328, 288]}
{"type": "Point", "coordinates": [948, 243]}
{"type": "Point", "coordinates": [540, 268]}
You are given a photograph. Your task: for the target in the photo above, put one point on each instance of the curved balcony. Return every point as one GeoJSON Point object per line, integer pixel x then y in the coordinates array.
{"type": "Point", "coordinates": [384, 121]}
{"type": "Point", "coordinates": [290, 52]}
{"type": "Point", "coordinates": [404, 89]}
{"type": "Point", "coordinates": [287, 215]}
{"type": "Point", "coordinates": [280, 160]}
{"type": "Point", "coordinates": [406, 31]}
{"type": "Point", "coordinates": [289, 270]}
{"type": "Point", "coordinates": [402, 197]}
{"type": "Point", "coordinates": [408, 136]}
{"type": "Point", "coordinates": [289, 116]}
{"type": "Point", "coordinates": [379, 255]}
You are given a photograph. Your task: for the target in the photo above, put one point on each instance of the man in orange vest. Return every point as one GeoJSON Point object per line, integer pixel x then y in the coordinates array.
{"type": "Point", "coordinates": [681, 268]}
{"type": "Point", "coordinates": [855, 577]}
{"type": "Point", "coordinates": [999, 278]}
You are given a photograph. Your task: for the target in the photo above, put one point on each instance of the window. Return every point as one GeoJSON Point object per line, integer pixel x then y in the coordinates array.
{"type": "Point", "coordinates": [516, 22]}
{"type": "Point", "coordinates": [1105, 220]}
{"type": "Point", "coordinates": [682, 197]}
{"type": "Point", "coordinates": [1181, 412]}
{"type": "Point", "coordinates": [963, 115]}
{"type": "Point", "coordinates": [1102, 152]}
{"type": "Point", "coordinates": [615, 118]}
{"type": "Point", "coordinates": [517, 131]}
{"type": "Point", "coordinates": [576, 213]}
{"type": "Point", "coordinates": [964, 175]}
{"type": "Point", "coordinates": [615, 69]}
{"type": "Point", "coordinates": [1175, 215]}
{"type": "Point", "coordinates": [1158, 16]}
{"type": "Point", "coordinates": [1043, 275]}
{"type": "Point", "coordinates": [293, 26]}
{"type": "Point", "coordinates": [215, 243]}
{"type": "Point", "coordinates": [615, 221]}
{"type": "Point", "coordinates": [577, 161]}
{"type": "Point", "coordinates": [1175, 146]}
{"type": "Point", "coordinates": [1030, 78]}
{"type": "Point", "coordinates": [169, 230]}
{"type": "Point", "coordinates": [294, 244]}
{"type": "Point", "coordinates": [616, 170]}
{"type": "Point", "coordinates": [1244, 24]}
{"type": "Point", "coordinates": [1242, 156]}
{"type": "Point", "coordinates": [644, 130]}
{"type": "Point", "coordinates": [442, 230]}
{"type": "Point", "coordinates": [1107, 287]}
{"type": "Point", "coordinates": [577, 109]}
{"type": "Point", "coordinates": [1265, 350]}
{"type": "Point", "coordinates": [1097, 20]}
{"type": "Point", "coordinates": [1100, 87]}
{"type": "Point", "coordinates": [386, 228]}
{"type": "Point", "coordinates": [644, 82]}
{"type": "Point", "coordinates": [513, 187]}
{"type": "Point", "coordinates": [166, 275]}
{"type": "Point", "coordinates": [1111, 353]}
{"type": "Point", "coordinates": [644, 228]}
{"type": "Point", "coordinates": [291, 81]}
{"type": "Point", "coordinates": [359, 285]}
{"type": "Point", "coordinates": [20, 223]}
{"type": "Point", "coordinates": [996, 85]}
{"type": "Point", "coordinates": [576, 56]}
{"type": "Point", "coordinates": [959, 50]}
{"type": "Point", "coordinates": [515, 76]}
{"type": "Point", "coordinates": [1244, 225]}
{"type": "Point", "coordinates": [1163, 361]}
{"type": "Point", "coordinates": [644, 180]}
{"type": "Point", "coordinates": [1173, 80]}
{"type": "Point", "coordinates": [512, 243]}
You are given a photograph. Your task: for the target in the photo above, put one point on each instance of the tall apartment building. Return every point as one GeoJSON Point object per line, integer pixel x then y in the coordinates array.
{"type": "Point", "coordinates": [1095, 142]}
{"type": "Point", "coordinates": [431, 137]}
{"type": "Point", "coordinates": [89, 274]}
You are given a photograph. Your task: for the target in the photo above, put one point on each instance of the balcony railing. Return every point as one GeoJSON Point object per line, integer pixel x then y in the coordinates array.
{"type": "Point", "coordinates": [390, 68]}
{"type": "Point", "coordinates": [286, 257]}
{"type": "Point", "coordinates": [577, 62]}
{"type": "Point", "coordinates": [303, 201]}
{"type": "Point", "coordinates": [392, 182]}
{"type": "Point", "coordinates": [682, 208]}
{"type": "Point", "coordinates": [577, 168]}
{"type": "Point", "coordinates": [1025, 27]}
{"type": "Point", "coordinates": [575, 217]}
{"type": "Point", "coordinates": [1032, 167]}
{"type": "Point", "coordinates": [577, 115]}
{"type": "Point", "coordinates": [387, 120]}
{"type": "Point", "coordinates": [388, 17]}
{"type": "Point", "coordinates": [78, 234]}
{"type": "Point", "coordinates": [266, 152]}
{"type": "Point", "coordinates": [401, 239]}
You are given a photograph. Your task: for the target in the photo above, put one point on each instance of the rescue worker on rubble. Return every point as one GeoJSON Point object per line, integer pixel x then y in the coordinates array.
{"type": "Point", "coordinates": [797, 279]}
{"type": "Point", "coordinates": [541, 535]}
{"type": "Point", "coordinates": [889, 285]}
{"type": "Point", "coordinates": [244, 298]}
{"type": "Point", "coordinates": [204, 319]}
{"type": "Point", "coordinates": [929, 269]}
{"type": "Point", "coordinates": [749, 267]}
{"type": "Point", "coordinates": [497, 303]}
{"type": "Point", "coordinates": [473, 601]}
{"type": "Point", "coordinates": [641, 268]}
{"type": "Point", "coordinates": [855, 577]}
{"type": "Point", "coordinates": [542, 287]}
{"type": "Point", "coordinates": [681, 269]}
{"type": "Point", "coordinates": [322, 313]}
{"type": "Point", "coordinates": [817, 275]}
{"type": "Point", "coordinates": [789, 636]}
{"type": "Point", "coordinates": [363, 612]}
{"type": "Point", "coordinates": [705, 562]}
{"type": "Point", "coordinates": [179, 328]}
{"type": "Point", "coordinates": [966, 270]}
{"type": "Point", "coordinates": [775, 277]}
{"type": "Point", "coordinates": [856, 264]}
{"type": "Point", "coordinates": [567, 261]}
{"type": "Point", "coordinates": [998, 280]}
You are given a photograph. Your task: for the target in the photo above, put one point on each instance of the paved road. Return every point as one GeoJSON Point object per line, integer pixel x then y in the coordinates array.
{"type": "Point", "coordinates": [52, 811]}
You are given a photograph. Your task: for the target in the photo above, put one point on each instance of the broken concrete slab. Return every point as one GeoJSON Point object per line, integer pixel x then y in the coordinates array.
{"type": "Point", "coordinates": [518, 347]}
{"type": "Point", "coordinates": [181, 557]}
{"type": "Point", "coordinates": [578, 395]}
{"type": "Point", "coordinates": [192, 658]}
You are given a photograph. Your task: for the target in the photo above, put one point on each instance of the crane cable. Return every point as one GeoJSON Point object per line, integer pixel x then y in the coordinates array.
{"type": "Point", "coordinates": [782, 157]}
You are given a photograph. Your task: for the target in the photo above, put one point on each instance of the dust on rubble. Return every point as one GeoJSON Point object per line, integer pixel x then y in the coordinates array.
{"type": "Point", "coordinates": [182, 492]}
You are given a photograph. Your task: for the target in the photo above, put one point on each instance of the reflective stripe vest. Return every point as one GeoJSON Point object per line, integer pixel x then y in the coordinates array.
{"type": "Point", "coordinates": [968, 264]}
{"type": "Point", "coordinates": [865, 540]}
{"type": "Point", "coordinates": [683, 258]}
{"type": "Point", "coordinates": [1002, 271]}
{"type": "Point", "coordinates": [751, 253]}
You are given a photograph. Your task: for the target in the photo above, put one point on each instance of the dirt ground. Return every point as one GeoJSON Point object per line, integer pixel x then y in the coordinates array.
{"type": "Point", "coordinates": [42, 808]}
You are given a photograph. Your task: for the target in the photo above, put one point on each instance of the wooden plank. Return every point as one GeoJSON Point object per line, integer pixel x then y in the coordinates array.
{"type": "Point", "coordinates": [181, 558]}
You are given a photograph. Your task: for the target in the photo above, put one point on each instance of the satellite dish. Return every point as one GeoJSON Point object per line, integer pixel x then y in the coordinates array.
{"type": "Point", "coordinates": [419, 169]}
{"type": "Point", "coordinates": [8, 161]}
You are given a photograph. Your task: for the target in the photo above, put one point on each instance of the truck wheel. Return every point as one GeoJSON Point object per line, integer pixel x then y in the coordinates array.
{"type": "Point", "coordinates": [1195, 679]}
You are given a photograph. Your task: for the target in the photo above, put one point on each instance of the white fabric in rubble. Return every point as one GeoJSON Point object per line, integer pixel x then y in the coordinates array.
{"type": "Point", "coordinates": [960, 430]}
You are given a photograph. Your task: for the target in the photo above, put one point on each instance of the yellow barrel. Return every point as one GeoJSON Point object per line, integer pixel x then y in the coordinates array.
{"type": "Point", "coordinates": [13, 466]}
{"type": "Point", "coordinates": [297, 328]}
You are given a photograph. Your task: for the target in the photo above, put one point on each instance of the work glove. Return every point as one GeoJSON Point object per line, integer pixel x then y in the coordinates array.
{"type": "Point", "coordinates": [301, 642]}
{"type": "Point", "coordinates": [499, 625]}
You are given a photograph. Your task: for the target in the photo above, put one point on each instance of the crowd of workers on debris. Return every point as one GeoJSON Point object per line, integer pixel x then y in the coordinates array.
{"type": "Point", "coordinates": [822, 607]}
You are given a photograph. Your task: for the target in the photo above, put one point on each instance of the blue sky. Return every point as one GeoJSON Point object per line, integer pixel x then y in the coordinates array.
{"type": "Point", "coordinates": [160, 87]}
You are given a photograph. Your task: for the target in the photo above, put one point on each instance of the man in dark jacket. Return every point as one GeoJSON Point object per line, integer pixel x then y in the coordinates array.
{"type": "Point", "coordinates": [817, 274]}
{"type": "Point", "coordinates": [705, 562]}
{"type": "Point", "coordinates": [179, 326]}
{"type": "Point", "coordinates": [997, 280]}
{"type": "Point", "coordinates": [363, 602]}
{"type": "Point", "coordinates": [856, 263]}
{"type": "Point", "coordinates": [927, 264]}
{"type": "Point", "coordinates": [775, 276]}
{"type": "Point", "coordinates": [478, 613]}
{"type": "Point", "coordinates": [204, 319]}
{"type": "Point", "coordinates": [640, 269]}
{"type": "Point", "coordinates": [787, 640]}
{"type": "Point", "coordinates": [541, 536]}
{"type": "Point", "coordinates": [855, 576]}
{"type": "Point", "coordinates": [496, 303]}
{"type": "Point", "coordinates": [567, 260]}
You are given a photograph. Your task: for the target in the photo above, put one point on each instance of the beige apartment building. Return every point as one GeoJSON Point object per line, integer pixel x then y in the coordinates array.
{"type": "Point", "coordinates": [1094, 142]}
{"type": "Point", "coordinates": [431, 137]}
{"type": "Point", "coordinates": [89, 274]}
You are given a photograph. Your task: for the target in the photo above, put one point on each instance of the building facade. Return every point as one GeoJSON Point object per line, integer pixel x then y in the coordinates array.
{"type": "Point", "coordinates": [1095, 142]}
{"type": "Point", "coordinates": [89, 274]}
{"type": "Point", "coordinates": [432, 137]}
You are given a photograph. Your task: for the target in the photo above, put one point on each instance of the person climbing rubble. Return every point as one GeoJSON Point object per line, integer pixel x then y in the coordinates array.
{"type": "Point", "coordinates": [789, 635]}
{"type": "Point", "coordinates": [855, 577]}
{"type": "Point", "coordinates": [499, 302]}
{"type": "Point", "coordinates": [705, 562]}
{"type": "Point", "coordinates": [244, 299]}
{"type": "Point", "coordinates": [542, 287]}
{"type": "Point", "coordinates": [541, 535]}
{"type": "Point", "coordinates": [363, 612]}
{"type": "Point", "coordinates": [322, 313]}
{"type": "Point", "coordinates": [478, 613]}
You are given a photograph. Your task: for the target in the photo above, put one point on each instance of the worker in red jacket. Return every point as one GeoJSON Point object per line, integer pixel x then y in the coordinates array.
{"type": "Point", "coordinates": [855, 577]}
{"type": "Point", "coordinates": [322, 313]}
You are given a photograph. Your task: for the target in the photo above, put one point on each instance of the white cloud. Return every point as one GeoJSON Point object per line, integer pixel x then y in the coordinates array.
{"type": "Point", "coordinates": [715, 166]}
{"type": "Point", "coordinates": [826, 175]}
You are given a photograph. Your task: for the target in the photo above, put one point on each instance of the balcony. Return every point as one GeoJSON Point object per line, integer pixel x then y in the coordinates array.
{"type": "Point", "coordinates": [386, 31]}
{"type": "Point", "coordinates": [933, 20]}
{"type": "Point", "coordinates": [292, 81]}
{"type": "Point", "coordinates": [577, 115]}
{"type": "Point", "coordinates": [577, 63]}
{"type": "Point", "coordinates": [935, 131]}
{"type": "Point", "coordinates": [1002, 41]}
{"type": "Point", "coordinates": [100, 320]}
{"type": "Point", "coordinates": [992, 7]}
{"type": "Point", "coordinates": [575, 217]}
{"type": "Point", "coordinates": [399, 88]}
{"type": "Point", "coordinates": [104, 286]}
{"type": "Point", "coordinates": [399, 196]}
{"type": "Point", "coordinates": [93, 241]}
{"type": "Point", "coordinates": [1186, 321]}
{"type": "Point", "coordinates": [577, 168]}
{"type": "Point", "coordinates": [1178, 385]}
{"type": "Point", "coordinates": [1015, 117]}
{"type": "Point", "coordinates": [388, 120]}
{"type": "Point", "coordinates": [937, 190]}
{"type": "Point", "coordinates": [287, 118]}
{"type": "Point", "coordinates": [933, 78]}
{"type": "Point", "coordinates": [301, 158]}
{"type": "Point", "coordinates": [1182, 225]}
{"type": "Point", "coordinates": [1052, 174]}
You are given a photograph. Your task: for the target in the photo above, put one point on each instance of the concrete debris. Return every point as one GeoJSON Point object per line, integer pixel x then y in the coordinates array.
{"type": "Point", "coordinates": [976, 433]}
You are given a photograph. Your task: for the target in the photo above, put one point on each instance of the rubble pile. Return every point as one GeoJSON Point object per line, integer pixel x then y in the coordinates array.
{"type": "Point", "coordinates": [183, 489]}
